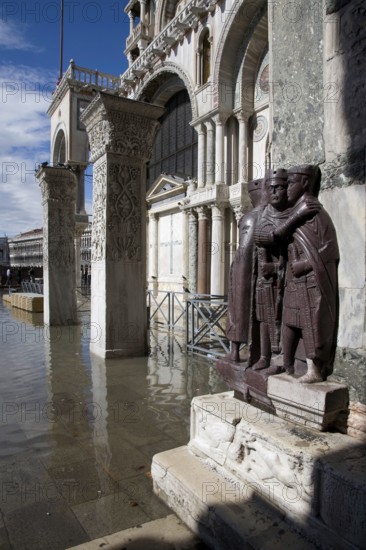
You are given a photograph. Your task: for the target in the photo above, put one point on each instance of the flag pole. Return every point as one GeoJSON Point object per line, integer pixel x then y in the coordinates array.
{"type": "Point", "coordinates": [61, 40]}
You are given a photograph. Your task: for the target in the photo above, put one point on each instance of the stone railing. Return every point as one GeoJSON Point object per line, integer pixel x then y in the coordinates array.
{"type": "Point", "coordinates": [102, 81]}
{"type": "Point", "coordinates": [140, 31]}
{"type": "Point", "coordinates": [174, 31]}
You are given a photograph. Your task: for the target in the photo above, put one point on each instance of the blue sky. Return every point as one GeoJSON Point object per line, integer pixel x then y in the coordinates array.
{"type": "Point", "coordinates": [94, 36]}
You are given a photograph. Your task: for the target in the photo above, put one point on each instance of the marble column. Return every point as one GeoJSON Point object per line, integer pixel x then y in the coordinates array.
{"type": "Point", "coordinates": [210, 154]}
{"type": "Point", "coordinates": [58, 186]}
{"type": "Point", "coordinates": [192, 250]}
{"type": "Point", "coordinates": [153, 251]}
{"type": "Point", "coordinates": [203, 252]}
{"type": "Point", "coordinates": [219, 149]}
{"type": "Point", "coordinates": [79, 230]}
{"type": "Point", "coordinates": [217, 250]}
{"type": "Point", "coordinates": [121, 133]}
{"type": "Point", "coordinates": [142, 11]}
{"type": "Point", "coordinates": [243, 148]}
{"type": "Point", "coordinates": [201, 162]}
{"type": "Point", "coordinates": [132, 21]}
{"type": "Point", "coordinates": [185, 250]}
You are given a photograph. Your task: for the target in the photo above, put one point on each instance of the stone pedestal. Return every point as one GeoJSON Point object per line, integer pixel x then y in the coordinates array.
{"type": "Point", "coordinates": [321, 406]}
{"type": "Point", "coordinates": [58, 186]}
{"type": "Point", "coordinates": [121, 133]}
{"type": "Point", "coordinates": [249, 479]}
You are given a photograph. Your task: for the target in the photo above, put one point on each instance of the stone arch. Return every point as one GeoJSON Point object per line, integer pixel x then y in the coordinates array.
{"type": "Point", "coordinates": [235, 37]}
{"type": "Point", "coordinates": [254, 52]}
{"type": "Point", "coordinates": [165, 12]}
{"type": "Point", "coordinates": [59, 145]}
{"type": "Point", "coordinates": [157, 88]}
{"type": "Point", "coordinates": [204, 40]}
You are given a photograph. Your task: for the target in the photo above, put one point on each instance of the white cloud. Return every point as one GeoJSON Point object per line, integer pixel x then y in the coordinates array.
{"type": "Point", "coordinates": [24, 143]}
{"type": "Point", "coordinates": [12, 37]}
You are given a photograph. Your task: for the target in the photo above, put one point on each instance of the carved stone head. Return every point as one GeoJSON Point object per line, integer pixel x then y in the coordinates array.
{"type": "Point", "coordinates": [276, 188]}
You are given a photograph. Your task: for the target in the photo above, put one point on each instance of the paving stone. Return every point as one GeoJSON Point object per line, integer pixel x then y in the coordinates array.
{"type": "Point", "coordinates": [44, 526]}
{"type": "Point", "coordinates": [108, 514]}
{"type": "Point", "coordinates": [82, 481]}
{"type": "Point", "coordinates": [167, 533]}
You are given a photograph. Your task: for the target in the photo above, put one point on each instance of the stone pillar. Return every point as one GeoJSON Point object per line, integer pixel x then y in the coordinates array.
{"type": "Point", "coordinates": [185, 249]}
{"type": "Point", "coordinates": [142, 11]}
{"type": "Point", "coordinates": [132, 21]}
{"type": "Point", "coordinates": [121, 133]}
{"type": "Point", "coordinates": [192, 250]}
{"type": "Point", "coordinates": [210, 155]}
{"type": "Point", "coordinates": [201, 162]}
{"type": "Point", "coordinates": [242, 148]}
{"type": "Point", "coordinates": [58, 186]}
{"type": "Point", "coordinates": [202, 261]}
{"type": "Point", "coordinates": [219, 149]}
{"type": "Point", "coordinates": [217, 252]}
{"type": "Point", "coordinates": [153, 250]}
{"type": "Point", "coordinates": [79, 230]}
{"type": "Point", "coordinates": [80, 194]}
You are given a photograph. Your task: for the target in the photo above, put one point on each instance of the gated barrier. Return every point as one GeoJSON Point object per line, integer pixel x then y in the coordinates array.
{"type": "Point", "coordinates": [201, 316]}
{"type": "Point", "coordinates": [205, 325]}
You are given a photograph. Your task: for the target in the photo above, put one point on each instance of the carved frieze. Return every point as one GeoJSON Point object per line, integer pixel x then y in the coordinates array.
{"type": "Point", "coordinates": [99, 212]}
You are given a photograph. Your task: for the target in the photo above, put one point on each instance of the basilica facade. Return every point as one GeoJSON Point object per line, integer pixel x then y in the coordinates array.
{"type": "Point", "coordinates": [217, 91]}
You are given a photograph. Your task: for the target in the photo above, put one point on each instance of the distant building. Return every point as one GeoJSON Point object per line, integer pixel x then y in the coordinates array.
{"type": "Point", "coordinates": [4, 258]}
{"type": "Point", "coordinates": [26, 249]}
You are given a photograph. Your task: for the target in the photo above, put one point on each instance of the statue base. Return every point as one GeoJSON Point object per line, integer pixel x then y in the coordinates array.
{"type": "Point", "coordinates": [320, 406]}
{"type": "Point", "coordinates": [251, 479]}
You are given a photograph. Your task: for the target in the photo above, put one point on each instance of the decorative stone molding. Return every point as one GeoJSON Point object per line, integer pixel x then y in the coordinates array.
{"type": "Point", "coordinates": [124, 213]}
{"type": "Point", "coordinates": [121, 126]}
{"type": "Point", "coordinates": [169, 67]}
{"type": "Point", "coordinates": [58, 187]}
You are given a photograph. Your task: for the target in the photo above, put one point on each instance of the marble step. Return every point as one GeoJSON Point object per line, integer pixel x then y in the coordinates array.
{"type": "Point", "coordinates": [225, 515]}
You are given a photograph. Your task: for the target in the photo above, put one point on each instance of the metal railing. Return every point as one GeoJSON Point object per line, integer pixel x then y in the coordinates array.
{"type": "Point", "coordinates": [206, 325]}
{"type": "Point", "coordinates": [35, 288]}
{"type": "Point", "coordinates": [201, 316]}
{"type": "Point", "coordinates": [167, 308]}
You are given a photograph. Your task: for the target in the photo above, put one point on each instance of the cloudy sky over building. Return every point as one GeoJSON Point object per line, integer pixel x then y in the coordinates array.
{"type": "Point", "coordinates": [94, 36]}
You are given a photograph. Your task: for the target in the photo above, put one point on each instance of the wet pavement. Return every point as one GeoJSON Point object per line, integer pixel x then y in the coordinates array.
{"type": "Point", "coordinates": [78, 433]}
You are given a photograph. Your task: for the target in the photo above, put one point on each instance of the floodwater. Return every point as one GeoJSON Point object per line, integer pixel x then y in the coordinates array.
{"type": "Point", "coordinates": [78, 433]}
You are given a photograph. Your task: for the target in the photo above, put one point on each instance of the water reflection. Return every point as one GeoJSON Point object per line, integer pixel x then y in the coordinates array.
{"type": "Point", "coordinates": [88, 427]}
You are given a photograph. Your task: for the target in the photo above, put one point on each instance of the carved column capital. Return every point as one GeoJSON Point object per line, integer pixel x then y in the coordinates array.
{"type": "Point", "coordinates": [218, 211]}
{"type": "Point", "coordinates": [203, 212]}
{"type": "Point", "coordinates": [57, 184]}
{"type": "Point", "coordinates": [120, 126]}
{"type": "Point", "coordinates": [153, 216]}
{"type": "Point", "coordinates": [239, 212]}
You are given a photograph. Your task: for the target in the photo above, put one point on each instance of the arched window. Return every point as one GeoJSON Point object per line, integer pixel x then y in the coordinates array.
{"type": "Point", "coordinates": [59, 150]}
{"type": "Point", "coordinates": [205, 57]}
{"type": "Point", "coordinates": [175, 146]}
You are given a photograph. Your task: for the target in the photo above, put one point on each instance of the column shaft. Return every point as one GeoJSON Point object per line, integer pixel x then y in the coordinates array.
{"type": "Point", "coordinates": [210, 156]}
{"type": "Point", "coordinates": [201, 157]}
{"type": "Point", "coordinates": [58, 186]}
{"type": "Point", "coordinates": [203, 244]}
{"type": "Point", "coordinates": [120, 134]}
{"type": "Point", "coordinates": [217, 251]}
{"type": "Point", "coordinates": [243, 149]}
{"type": "Point", "coordinates": [219, 151]}
{"type": "Point", "coordinates": [192, 251]}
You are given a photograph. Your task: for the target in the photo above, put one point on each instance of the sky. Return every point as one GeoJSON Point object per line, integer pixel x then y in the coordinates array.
{"type": "Point", "coordinates": [94, 37]}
